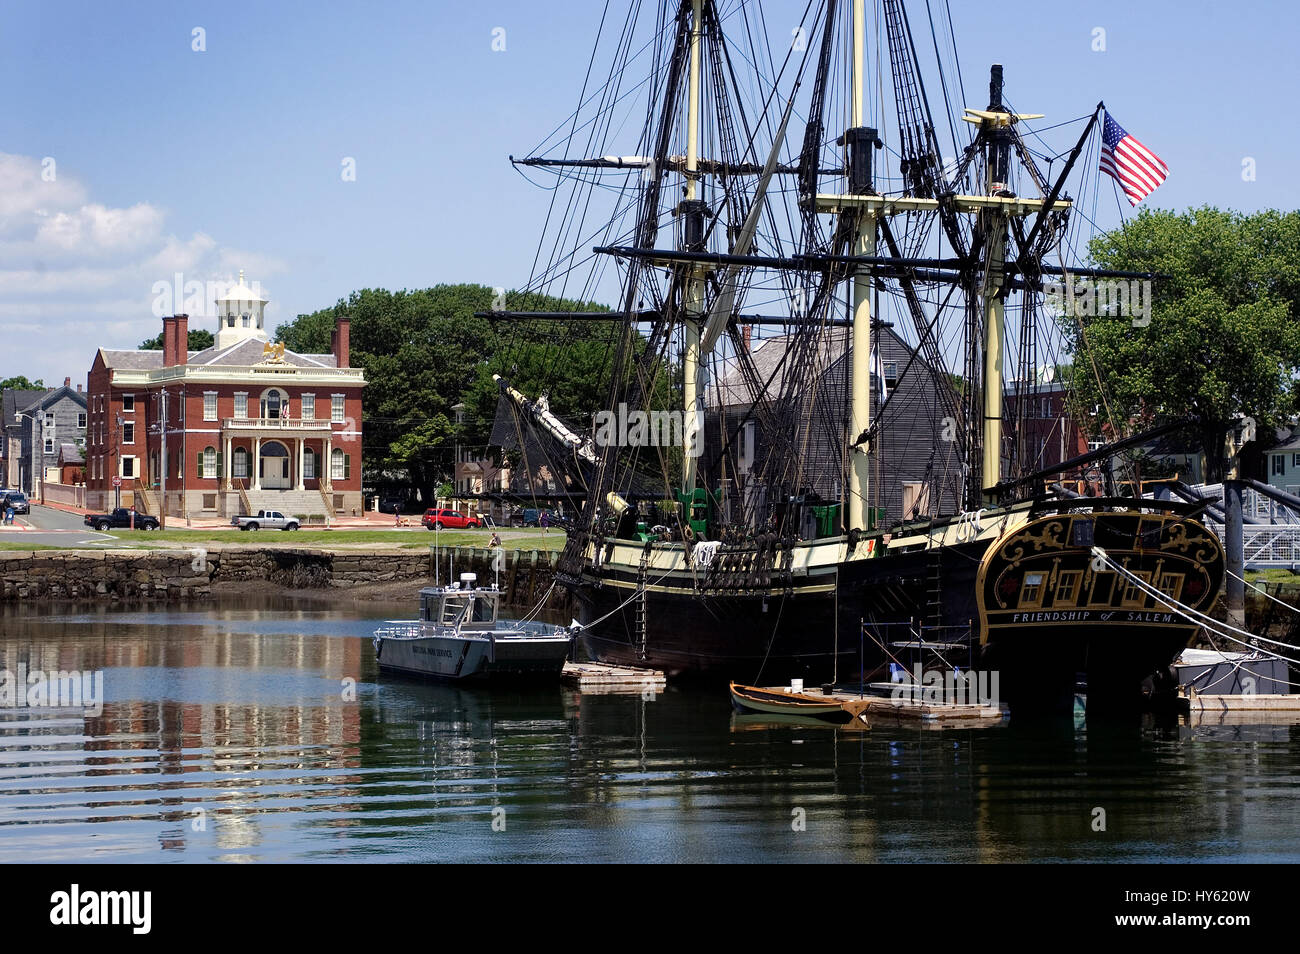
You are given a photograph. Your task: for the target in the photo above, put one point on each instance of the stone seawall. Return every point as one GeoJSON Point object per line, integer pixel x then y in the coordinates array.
{"type": "Point", "coordinates": [191, 574]}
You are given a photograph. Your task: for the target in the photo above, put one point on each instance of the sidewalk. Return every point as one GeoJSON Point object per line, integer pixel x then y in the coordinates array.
{"type": "Point", "coordinates": [366, 521]}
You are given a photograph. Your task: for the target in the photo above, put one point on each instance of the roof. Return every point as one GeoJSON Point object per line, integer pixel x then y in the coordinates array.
{"type": "Point", "coordinates": [242, 292]}
{"type": "Point", "coordinates": [55, 395]}
{"type": "Point", "coordinates": [246, 353]}
{"type": "Point", "coordinates": [16, 400]}
{"type": "Point", "coordinates": [70, 454]}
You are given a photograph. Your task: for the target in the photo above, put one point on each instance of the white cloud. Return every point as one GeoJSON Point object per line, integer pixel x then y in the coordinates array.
{"type": "Point", "coordinates": [77, 275]}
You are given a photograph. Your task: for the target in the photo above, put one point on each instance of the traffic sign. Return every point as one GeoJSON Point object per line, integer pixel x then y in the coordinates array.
{"type": "Point", "coordinates": [117, 481]}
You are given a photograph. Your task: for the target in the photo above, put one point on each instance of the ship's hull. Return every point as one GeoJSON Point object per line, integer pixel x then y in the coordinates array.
{"type": "Point", "coordinates": [826, 611]}
{"type": "Point", "coordinates": [474, 659]}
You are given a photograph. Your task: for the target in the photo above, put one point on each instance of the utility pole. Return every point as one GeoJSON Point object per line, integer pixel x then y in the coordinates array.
{"type": "Point", "coordinates": [162, 503]}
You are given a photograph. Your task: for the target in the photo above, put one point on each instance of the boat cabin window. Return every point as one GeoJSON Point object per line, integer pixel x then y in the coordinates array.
{"type": "Point", "coordinates": [1067, 587]}
{"type": "Point", "coordinates": [1031, 594]}
{"type": "Point", "coordinates": [453, 608]}
{"type": "Point", "coordinates": [482, 610]}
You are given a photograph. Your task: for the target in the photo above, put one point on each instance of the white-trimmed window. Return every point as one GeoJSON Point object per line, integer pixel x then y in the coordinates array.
{"type": "Point", "coordinates": [49, 445]}
{"type": "Point", "coordinates": [308, 407]}
{"type": "Point", "coordinates": [209, 405]}
{"type": "Point", "coordinates": [81, 419]}
{"type": "Point", "coordinates": [128, 403]}
{"type": "Point", "coordinates": [336, 408]}
{"type": "Point", "coordinates": [209, 462]}
{"type": "Point", "coordinates": [241, 462]}
{"type": "Point", "coordinates": [337, 464]}
{"type": "Point", "coordinates": [241, 404]}
{"type": "Point", "coordinates": [128, 432]}
{"type": "Point", "coordinates": [128, 466]}
{"type": "Point", "coordinates": [309, 465]}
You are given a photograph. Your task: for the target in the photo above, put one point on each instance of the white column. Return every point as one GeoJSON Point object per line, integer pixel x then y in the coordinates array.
{"type": "Point", "coordinates": [257, 463]}
{"type": "Point", "coordinates": [301, 444]}
{"type": "Point", "coordinates": [230, 462]}
{"type": "Point", "coordinates": [327, 478]}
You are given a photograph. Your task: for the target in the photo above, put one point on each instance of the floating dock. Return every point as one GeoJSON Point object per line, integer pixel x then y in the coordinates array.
{"type": "Point", "coordinates": [591, 677]}
{"type": "Point", "coordinates": [1242, 709]}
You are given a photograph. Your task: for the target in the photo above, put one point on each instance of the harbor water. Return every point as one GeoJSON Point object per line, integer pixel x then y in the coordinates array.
{"type": "Point", "coordinates": [259, 730]}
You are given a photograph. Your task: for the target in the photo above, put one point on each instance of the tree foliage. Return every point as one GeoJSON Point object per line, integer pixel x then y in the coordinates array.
{"type": "Point", "coordinates": [1223, 338]}
{"type": "Point", "coordinates": [19, 382]}
{"type": "Point", "coordinates": [425, 351]}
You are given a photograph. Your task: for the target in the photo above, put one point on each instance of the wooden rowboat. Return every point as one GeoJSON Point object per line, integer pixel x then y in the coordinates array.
{"type": "Point", "coordinates": [782, 701]}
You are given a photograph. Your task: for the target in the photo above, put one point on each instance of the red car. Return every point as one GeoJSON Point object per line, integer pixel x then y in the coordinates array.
{"type": "Point", "coordinates": [449, 520]}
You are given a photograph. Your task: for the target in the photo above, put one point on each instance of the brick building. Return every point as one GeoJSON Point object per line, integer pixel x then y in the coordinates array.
{"type": "Point", "coordinates": [248, 424]}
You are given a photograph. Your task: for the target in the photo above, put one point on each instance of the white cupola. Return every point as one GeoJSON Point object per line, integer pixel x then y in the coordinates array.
{"type": "Point", "coordinates": [240, 314]}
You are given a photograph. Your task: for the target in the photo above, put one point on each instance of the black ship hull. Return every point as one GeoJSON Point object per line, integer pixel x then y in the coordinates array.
{"type": "Point", "coordinates": [1031, 604]}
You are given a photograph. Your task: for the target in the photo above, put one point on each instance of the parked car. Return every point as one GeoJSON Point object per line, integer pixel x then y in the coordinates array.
{"type": "Point", "coordinates": [532, 517]}
{"type": "Point", "coordinates": [265, 520]}
{"type": "Point", "coordinates": [16, 499]}
{"type": "Point", "coordinates": [435, 519]}
{"type": "Point", "coordinates": [120, 519]}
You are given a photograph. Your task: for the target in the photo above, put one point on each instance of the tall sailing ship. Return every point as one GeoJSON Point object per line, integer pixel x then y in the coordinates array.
{"type": "Point", "coordinates": [776, 238]}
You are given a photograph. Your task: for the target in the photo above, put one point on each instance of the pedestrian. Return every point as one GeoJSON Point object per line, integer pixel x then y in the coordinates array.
{"type": "Point", "coordinates": [545, 521]}
{"type": "Point", "coordinates": [9, 515]}
{"type": "Point", "coordinates": [495, 541]}
{"type": "Point", "coordinates": [397, 515]}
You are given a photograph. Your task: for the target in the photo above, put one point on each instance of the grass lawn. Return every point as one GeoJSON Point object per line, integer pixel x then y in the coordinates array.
{"type": "Point", "coordinates": [406, 538]}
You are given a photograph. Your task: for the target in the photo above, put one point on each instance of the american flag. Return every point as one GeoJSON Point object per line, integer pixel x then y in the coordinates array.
{"type": "Point", "coordinates": [1135, 167]}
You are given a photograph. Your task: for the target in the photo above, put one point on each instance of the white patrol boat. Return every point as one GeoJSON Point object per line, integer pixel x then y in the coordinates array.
{"type": "Point", "coordinates": [458, 636]}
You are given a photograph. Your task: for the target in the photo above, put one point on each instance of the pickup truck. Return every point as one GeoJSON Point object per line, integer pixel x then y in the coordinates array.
{"type": "Point", "coordinates": [120, 519]}
{"type": "Point", "coordinates": [268, 519]}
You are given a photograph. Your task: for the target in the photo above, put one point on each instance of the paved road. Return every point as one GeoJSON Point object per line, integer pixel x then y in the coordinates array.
{"type": "Point", "coordinates": [51, 527]}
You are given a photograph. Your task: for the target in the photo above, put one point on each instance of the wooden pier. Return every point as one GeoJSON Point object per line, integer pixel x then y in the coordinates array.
{"type": "Point", "coordinates": [591, 677]}
{"type": "Point", "coordinates": [1242, 709]}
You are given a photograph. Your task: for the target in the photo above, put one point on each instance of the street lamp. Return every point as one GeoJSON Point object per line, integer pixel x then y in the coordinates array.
{"type": "Point", "coordinates": [39, 441]}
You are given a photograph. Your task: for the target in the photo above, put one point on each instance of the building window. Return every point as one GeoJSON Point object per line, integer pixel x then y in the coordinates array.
{"type": "Point", "coordinates": [128, 432]}
{"type": "Point", "coordinates": [241, 462]}
{"type": "Point", "coordinates": [309, 465]}
{"type": "Point", "coordinates": [241, 404]}
{"type": "Point", "coordinates": [128, 466]}
{"type": "Point", "coordinates": [128, 403]}
{"type": "Point", "coordinates": [209, 462]}
{"type": "Point", "coordinates": [337, 465]}
{"type": "Point", "coordinates": [308, 407]}
{"type": "Point", "coordinates": [209, 405]}
{"type": "Point", "coordinates": [1295, 460]}
{"type": "Point", "coordinates": [81, 419]}
{"type": "Point", "coordinates": [49, 445]}
{"type": "Point", "coordinates": [273, 403]}
{"type": "Point", "coordinates": [49, 420]}
{"type": "Point", "coordinates": [1279, 465]}
{"type": "Point", "coordinates": [336, 408]}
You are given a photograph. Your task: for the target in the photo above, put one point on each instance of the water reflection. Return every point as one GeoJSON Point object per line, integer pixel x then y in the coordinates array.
{"type": "Point", "coordinates": [261, 731]}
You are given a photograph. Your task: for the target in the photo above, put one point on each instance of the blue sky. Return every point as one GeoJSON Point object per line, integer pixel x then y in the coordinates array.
{"type": "Point", "coordinates": [169, 159]}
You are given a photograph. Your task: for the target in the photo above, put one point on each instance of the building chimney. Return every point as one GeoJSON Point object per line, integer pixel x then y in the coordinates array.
{"type": "Point", "coordinates": [67, 382]}
{"type": "Point", "coordinates": [182, 353]}
{"type": "Point", "coordinates": [78, 387]}
{"type": "Point", "coordinates": [340, 341]}
{"type": "Point", "coordinates": [169, 341]}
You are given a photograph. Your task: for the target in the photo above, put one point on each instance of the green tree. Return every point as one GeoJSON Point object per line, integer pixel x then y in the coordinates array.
{"type": "Point", "coordinates": [423, 352]}
{"type": "Point", "coordinates": [20, 383]}
{"type": "Point", "coordinates": [1223, 338]}
{"type": "Point", "coordinates": [199, 339]}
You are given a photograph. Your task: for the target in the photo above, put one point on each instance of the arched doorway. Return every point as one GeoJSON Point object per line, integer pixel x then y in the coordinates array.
{"type": "Point", "coordinates": [273, 468]}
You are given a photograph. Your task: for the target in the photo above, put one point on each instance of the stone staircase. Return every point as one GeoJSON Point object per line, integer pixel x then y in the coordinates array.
{"type": "Point", "coordinates": [294, 503]}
